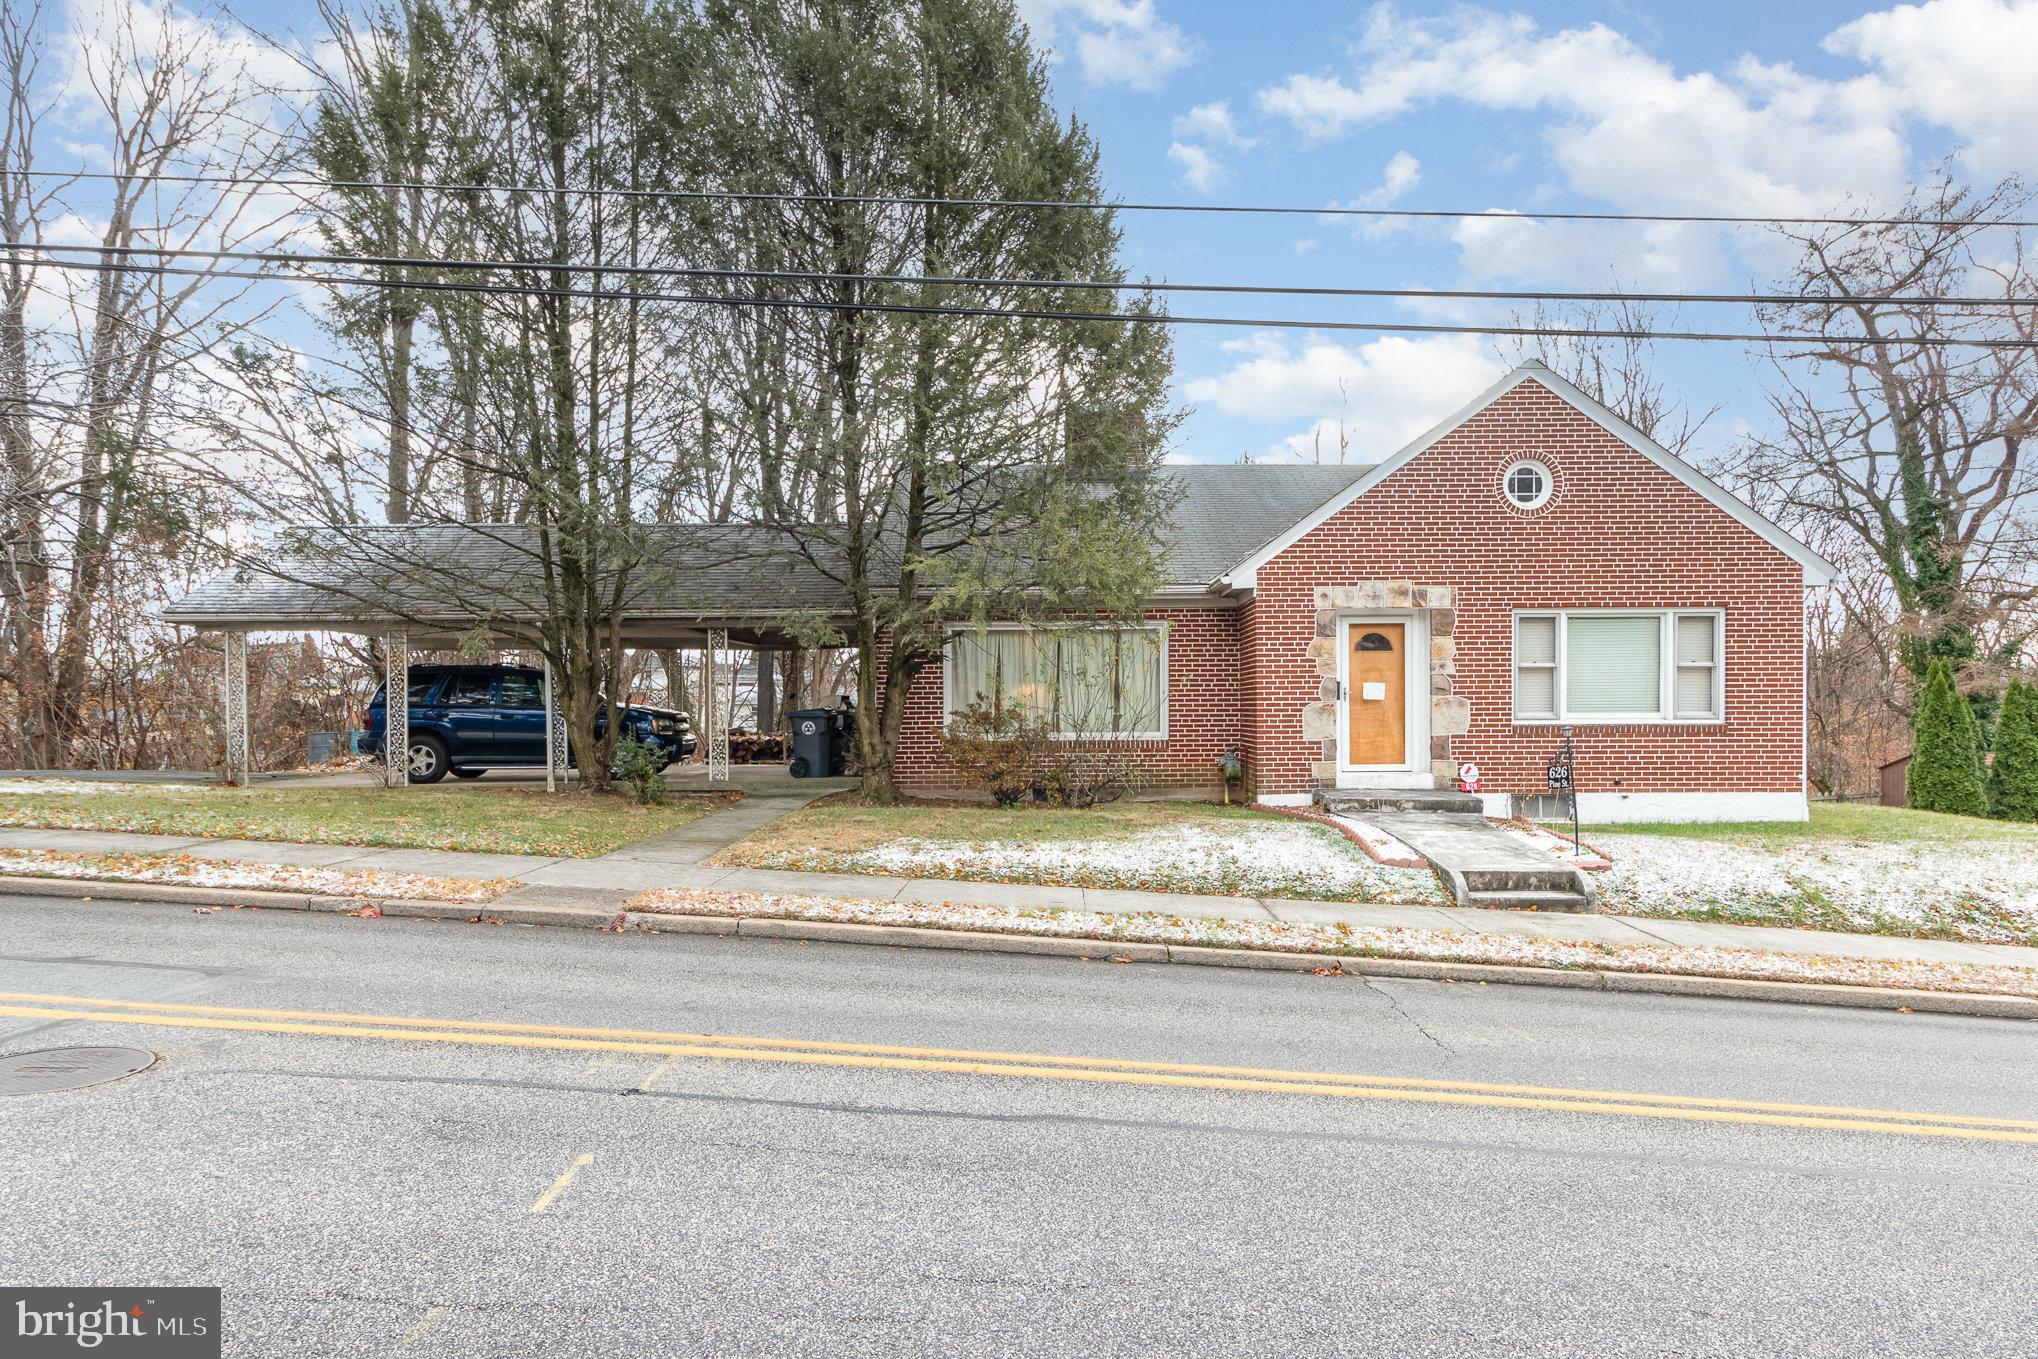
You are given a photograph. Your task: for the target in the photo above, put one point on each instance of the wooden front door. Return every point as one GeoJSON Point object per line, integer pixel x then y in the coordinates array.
{"type": "Point", "coordinates": [1376, 699]}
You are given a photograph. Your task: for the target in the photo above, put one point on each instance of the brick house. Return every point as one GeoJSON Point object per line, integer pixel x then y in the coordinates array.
{"type": "Point", "coordinates": [1531, 563]}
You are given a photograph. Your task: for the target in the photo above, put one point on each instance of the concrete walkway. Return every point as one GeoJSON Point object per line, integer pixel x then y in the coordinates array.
{"type": "Point", "coordinates": [613, 878]}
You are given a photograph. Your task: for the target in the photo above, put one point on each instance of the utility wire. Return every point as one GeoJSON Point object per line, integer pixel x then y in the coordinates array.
{"type": "Point", "coordinates": [302, 258]}
{"type": "Point", "coordinates": [887, 200]}
{"type": "Point", "coordinates": [1036, 314]}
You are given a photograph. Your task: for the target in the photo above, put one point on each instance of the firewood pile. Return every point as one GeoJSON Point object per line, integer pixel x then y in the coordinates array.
{"type": "Point", "coordinates": [755, 747]}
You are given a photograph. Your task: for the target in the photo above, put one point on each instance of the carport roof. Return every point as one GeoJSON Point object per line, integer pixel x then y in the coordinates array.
{"type": "Point", "coordinates": [461, 576]}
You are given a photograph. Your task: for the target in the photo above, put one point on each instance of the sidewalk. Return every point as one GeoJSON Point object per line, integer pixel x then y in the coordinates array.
{"type": "Point", "coordinates": [649, 864]}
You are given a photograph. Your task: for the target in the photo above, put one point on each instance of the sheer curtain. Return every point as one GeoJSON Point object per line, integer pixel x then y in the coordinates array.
{"type": "Point", "coordinates": [1142, 681]}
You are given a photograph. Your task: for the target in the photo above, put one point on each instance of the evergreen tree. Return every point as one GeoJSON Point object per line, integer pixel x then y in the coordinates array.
{"type": "Point", "coordinates": [2013, 775]}
{"type": "Point", "coordinates": [1945, 771]}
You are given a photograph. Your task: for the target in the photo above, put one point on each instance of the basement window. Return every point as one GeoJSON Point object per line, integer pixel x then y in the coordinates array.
{"type": "Point", "coordinates": [1619, 665]}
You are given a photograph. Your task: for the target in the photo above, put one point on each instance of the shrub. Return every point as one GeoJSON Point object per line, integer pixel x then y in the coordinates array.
{"type": "Point", "coordinates": [2013, 773]}
{"type": "Point", "coordinates": [994, 749]}
{"type": "Point", "coordinates": [1945, 772]}
{"type": "Point", "coordinates": [641, 767]}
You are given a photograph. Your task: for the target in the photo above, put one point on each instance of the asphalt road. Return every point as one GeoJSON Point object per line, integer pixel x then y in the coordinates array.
{"type": "Point", "coordinates": [368, 1188]}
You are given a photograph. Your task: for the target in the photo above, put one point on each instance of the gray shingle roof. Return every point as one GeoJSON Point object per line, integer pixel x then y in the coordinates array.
{"type": "Point", "coordinates": [1229, 510]}
{"type": "Point", "coordinates": [465, 573]}
{"type": "Point", "coordinates": [462, 574]}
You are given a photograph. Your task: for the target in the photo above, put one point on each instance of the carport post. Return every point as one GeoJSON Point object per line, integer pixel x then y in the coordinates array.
{"type": "Point", "coordinates": [396, 708]}
{"type": "Point", "coordinates": [237, 709]}
{"type": "Point", "coordinates": [555, 732]}
{"type": "Point", "coordinates": [718, 719]}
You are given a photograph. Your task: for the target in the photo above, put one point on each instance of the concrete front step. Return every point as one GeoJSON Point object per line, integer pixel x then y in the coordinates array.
{"type": "Point", "coordinates": [1484, 865]}
{"type": "Point", "coordinates": [1528, 901]}
{"type": "Point", "coordinates": [1350, 801]}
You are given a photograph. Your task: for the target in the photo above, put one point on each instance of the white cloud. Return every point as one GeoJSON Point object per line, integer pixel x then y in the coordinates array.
{"type": "Point", "coordinates": [1212, 123]}
{"type": "Point", "coordinates": [1401, 174]}
{"type": "Point", "coordinates": [1200, 168]}
{"type": "Point", "coordinates": [1628, 127]}
{"type": "Point", "coordinates": [1115, 42]}
{"type": "Point", "coordinates": [1504, 247]}
{"type": "Point", "coordinates": [1376, 395]}
{"type": "Point", "coordinates": [1965, 65]}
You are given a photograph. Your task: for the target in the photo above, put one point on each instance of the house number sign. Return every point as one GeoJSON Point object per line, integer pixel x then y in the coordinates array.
{"type": "Point", "coordinates": [1559, 769]}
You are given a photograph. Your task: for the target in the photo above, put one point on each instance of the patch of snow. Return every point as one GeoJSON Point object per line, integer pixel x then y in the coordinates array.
{"type": "Point", "coordinates": [1379, 843]}
{"type": "Point", "coordinates": [1334, 939]}
{"type": "Point", "coordinates": [182, 870]}
{"type": "Point", "coordinates": [1243, 858]}
{"type": "Point", "coordinates": [92, 786]}
{"type": "Point", "coordinates": [1583, 855]}
{"type": "Point", "coordinates": [1980, 891]}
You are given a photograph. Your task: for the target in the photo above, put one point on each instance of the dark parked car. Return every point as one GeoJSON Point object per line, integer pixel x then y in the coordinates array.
{"type": "Point", "coordinates": [467, 719]}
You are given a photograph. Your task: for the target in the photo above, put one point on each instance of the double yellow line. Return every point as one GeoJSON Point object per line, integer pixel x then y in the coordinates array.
{"type": "Point", "coordinates": [1025, 1065]}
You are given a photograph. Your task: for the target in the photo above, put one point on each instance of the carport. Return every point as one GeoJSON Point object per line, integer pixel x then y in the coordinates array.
{"type": "Point", "coordinates": [716, 589]}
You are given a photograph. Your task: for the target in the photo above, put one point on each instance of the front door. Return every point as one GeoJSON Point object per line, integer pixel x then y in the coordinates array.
{"type": "Point", "coordinates": [1376, 701]}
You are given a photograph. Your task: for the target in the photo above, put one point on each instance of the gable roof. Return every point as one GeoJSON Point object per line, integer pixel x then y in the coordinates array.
{"type": "Point", "coordinates": [1817, 570]}
{"type": "Point", "coordinates": [1226, 510]}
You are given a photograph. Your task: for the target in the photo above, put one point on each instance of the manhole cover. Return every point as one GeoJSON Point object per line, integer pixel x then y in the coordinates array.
{"type": "Point", "coordinates": [38, 1073]}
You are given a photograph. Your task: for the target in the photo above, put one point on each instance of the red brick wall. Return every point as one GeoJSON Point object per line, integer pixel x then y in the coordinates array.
{"type": "Point", "coordinates": [1203, 708]}
{"type": "Point", "coordinates": [1619, 532]}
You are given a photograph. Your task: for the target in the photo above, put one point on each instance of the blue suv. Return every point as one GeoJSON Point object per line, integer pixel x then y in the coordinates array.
{"type": "Point", "coordinates": [468, 719]}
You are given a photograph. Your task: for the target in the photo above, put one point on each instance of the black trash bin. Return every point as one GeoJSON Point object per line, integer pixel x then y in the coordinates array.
{"type": "Point", "coordinates": [818, 745]}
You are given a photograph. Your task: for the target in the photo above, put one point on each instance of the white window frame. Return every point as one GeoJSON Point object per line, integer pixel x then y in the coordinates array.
{"type": "Point", "coordinates": [1666, 681]}
{"type": "Point", "coordinates": [1549, 484]}
{"type": "Point", "coordinates": [948, 695]}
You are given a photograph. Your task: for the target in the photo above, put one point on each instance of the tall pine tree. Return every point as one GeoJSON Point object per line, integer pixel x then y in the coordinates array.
{"type": "Point", "coordinates": [1945, 771]}
{"type": "Point", "coordinates": [2013, 773]}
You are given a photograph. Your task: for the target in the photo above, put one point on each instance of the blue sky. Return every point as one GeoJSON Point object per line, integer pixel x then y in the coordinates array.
{"type": "Point", "coordinates": [1731, 106]}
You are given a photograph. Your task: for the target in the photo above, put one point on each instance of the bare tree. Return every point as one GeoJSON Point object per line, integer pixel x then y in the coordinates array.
{"type": "Point", "coordinates": [93, 355]}
{"type": "Point", "coordinates": [1916, 451]}
{"type": "Point", "coordinates": [1618, 371]}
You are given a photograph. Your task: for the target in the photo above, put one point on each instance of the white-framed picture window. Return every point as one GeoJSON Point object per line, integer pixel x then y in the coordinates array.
{"type": "Point", "coordinates": [1619, 665]}
{"type": "Point", "coordinates": [1093, 681]}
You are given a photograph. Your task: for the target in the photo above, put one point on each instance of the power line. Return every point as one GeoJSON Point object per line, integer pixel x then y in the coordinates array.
{"type": "Point", "coordinates": [889, 200]}
{"type": "Point", "coordinates": [301, 258]}
{"type": "Point", "coordinates": [1037, 314]}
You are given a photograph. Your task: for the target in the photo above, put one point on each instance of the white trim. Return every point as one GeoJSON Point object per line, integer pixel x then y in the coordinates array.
{"type": "Point", "coordinates": [1541, 469]}
{"type": "Point", "coordinates": [1666, 669]}
{"type": "Point", "coordinates": [1604, 808]}
{"type": "Point", "coordinates": [1284, 800]}
{"type": "Point", "coordinates": [1155, 625]}
{"type": "Point", "coordinates": [1817, 570]}
{"type": "Point", "coordinates": [1392, 778]}
{"type": "Point", "coordinates": [1414, 678]}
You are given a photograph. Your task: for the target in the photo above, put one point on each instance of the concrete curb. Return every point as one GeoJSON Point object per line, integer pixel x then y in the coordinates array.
{"type": "Point", "coordinates": [1982, 1006]}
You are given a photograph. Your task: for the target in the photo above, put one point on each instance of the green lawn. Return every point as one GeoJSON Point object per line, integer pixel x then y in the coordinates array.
{"type": "Point", "coordinates": [1842, 822]}
{"type": "Point", "coordinates": [493, 820]}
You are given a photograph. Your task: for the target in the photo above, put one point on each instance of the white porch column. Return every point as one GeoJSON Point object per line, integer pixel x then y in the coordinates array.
{"type": "Point", "coordinates": [237, 760]}
{"type": "Point", "coordinates": [717, 713]}
{"type": "Point", "coordinates": [555, 732]}
{"type": "Point", "coordinates": [396, 708]}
